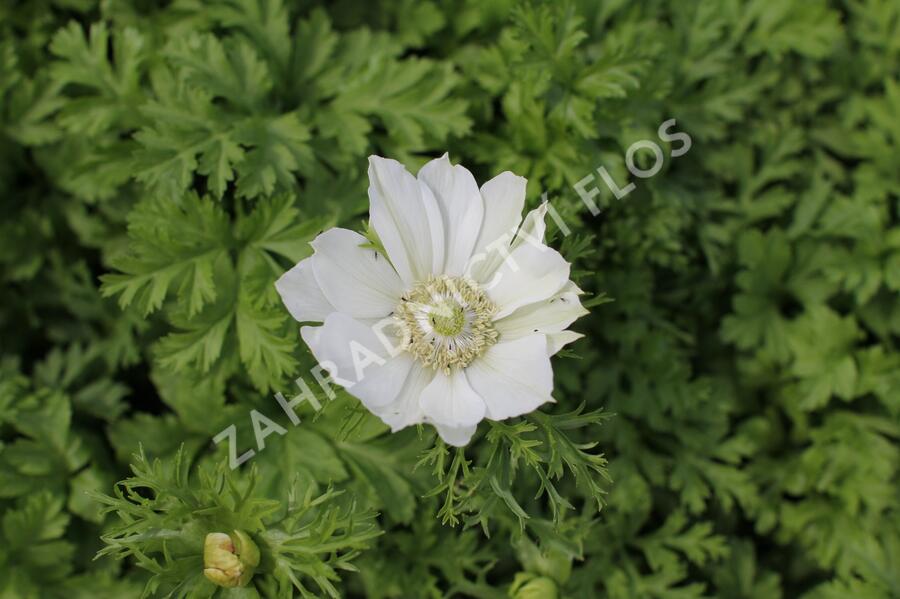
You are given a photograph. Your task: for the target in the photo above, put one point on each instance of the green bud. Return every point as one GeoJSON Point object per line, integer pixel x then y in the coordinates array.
{"type": "Point", "coordinates": [530, 586]}
{"type": "Point", "coordinates": [545, 561]}
{"type": "Point", "coordinates": [229, 560]}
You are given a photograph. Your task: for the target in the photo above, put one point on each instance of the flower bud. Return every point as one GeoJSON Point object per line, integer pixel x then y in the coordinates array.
{"type": "Point", "coordinates": [529, 586]}
{"type": "Point", "coordinates": [229, 560]}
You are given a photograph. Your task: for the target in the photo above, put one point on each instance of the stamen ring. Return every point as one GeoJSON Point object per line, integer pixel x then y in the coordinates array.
{"type": "Point", "coordinates": [446, 322]}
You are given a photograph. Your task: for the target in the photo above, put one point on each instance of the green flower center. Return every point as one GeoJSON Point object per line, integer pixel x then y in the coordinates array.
{"type": "Point", "coordinates": [446, 322]}
{"type": "Point", "coordinates": [448, 318]}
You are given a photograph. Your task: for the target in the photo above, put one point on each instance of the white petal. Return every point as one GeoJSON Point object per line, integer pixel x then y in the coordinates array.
{"type": "Point", "coordinates": [461, 206]}
{"type": "Point", "coordinates": [310, 336]}
{"type": "Point", "coordinates": [357, 360]}
{"type": "Point", "coordinates": [533, 227]}
{"type": "Point", "coordinates": [405, 409]}
{"type": "Point", "coordinates": [556, 341]}
{"type": "Point", "coordinates": [530, 274]}
{"type": "Point", "coordinates": [548, 316]}
{"type": "Point", "coordinates": [449, 400]}
{"type": "Point", "coordinates": [302, 295]}
{"type": "Point", "coordinates": [457, 436]}
{"type": "Point", "coordinates": [405, 216]}
{"type": "Point", "coordinates": [357, 281]}
{"type": "Point", "coordinates": [514, 377]}
{"type": "Point", "coordinates": [436, 228]}
{"type": "Point", "coordinates": [504, 198]}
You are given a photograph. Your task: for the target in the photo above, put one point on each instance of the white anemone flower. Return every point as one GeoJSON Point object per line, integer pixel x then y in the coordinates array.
{"type": "Point", "coordinates": [452, 315]}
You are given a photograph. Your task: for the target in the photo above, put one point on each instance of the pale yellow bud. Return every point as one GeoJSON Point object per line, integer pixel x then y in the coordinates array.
{"type": "Point", "coordinates": [229, 560]}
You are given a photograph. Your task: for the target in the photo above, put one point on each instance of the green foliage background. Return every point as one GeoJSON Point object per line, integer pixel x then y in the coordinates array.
{"type": "Point", "coordinates": [162, 163]}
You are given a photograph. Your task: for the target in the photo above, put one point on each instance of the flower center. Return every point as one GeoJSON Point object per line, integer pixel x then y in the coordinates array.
{"type": "Point", "coordinates": [448, 318]}
{"type": "Point", "coordinates": [446, 321]}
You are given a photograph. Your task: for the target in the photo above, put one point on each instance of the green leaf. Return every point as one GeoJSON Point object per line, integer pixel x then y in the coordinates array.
{"type": "Point", "coordinates": [114, 83]}
{"type": "Point", "coordinates": [279, 151]}
{"type": "Point", "coordinates": [32, 536]}
{"type": "Point", "coordinates": [230, 70]}
{"type": "Point", "coordinates": [378, 469]}
{"type": "Point", "coordinates": [173, 247]}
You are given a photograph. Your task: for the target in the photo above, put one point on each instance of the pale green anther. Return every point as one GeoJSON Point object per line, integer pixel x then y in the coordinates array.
{"type": "Point", "coordinates": [229, 560]}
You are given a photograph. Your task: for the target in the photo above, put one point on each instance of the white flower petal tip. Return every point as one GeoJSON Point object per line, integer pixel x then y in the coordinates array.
{"type": "Point", "coordinates": [449, 400]}
{"type": "Point", "coordinates": [455, 319]}
{"type": "Point", "coordinates": [302, 295]}
{"type": "Point", "coordinates": [456, 436]}
{"type": "Point", "coordinates": [533, 227]}
{"type": "Point", "coordinates": [557, 341]}
{"type": "Point", "coordinates": [461, 208]}
{"type": "Point", "coordinates": [355, 280]}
